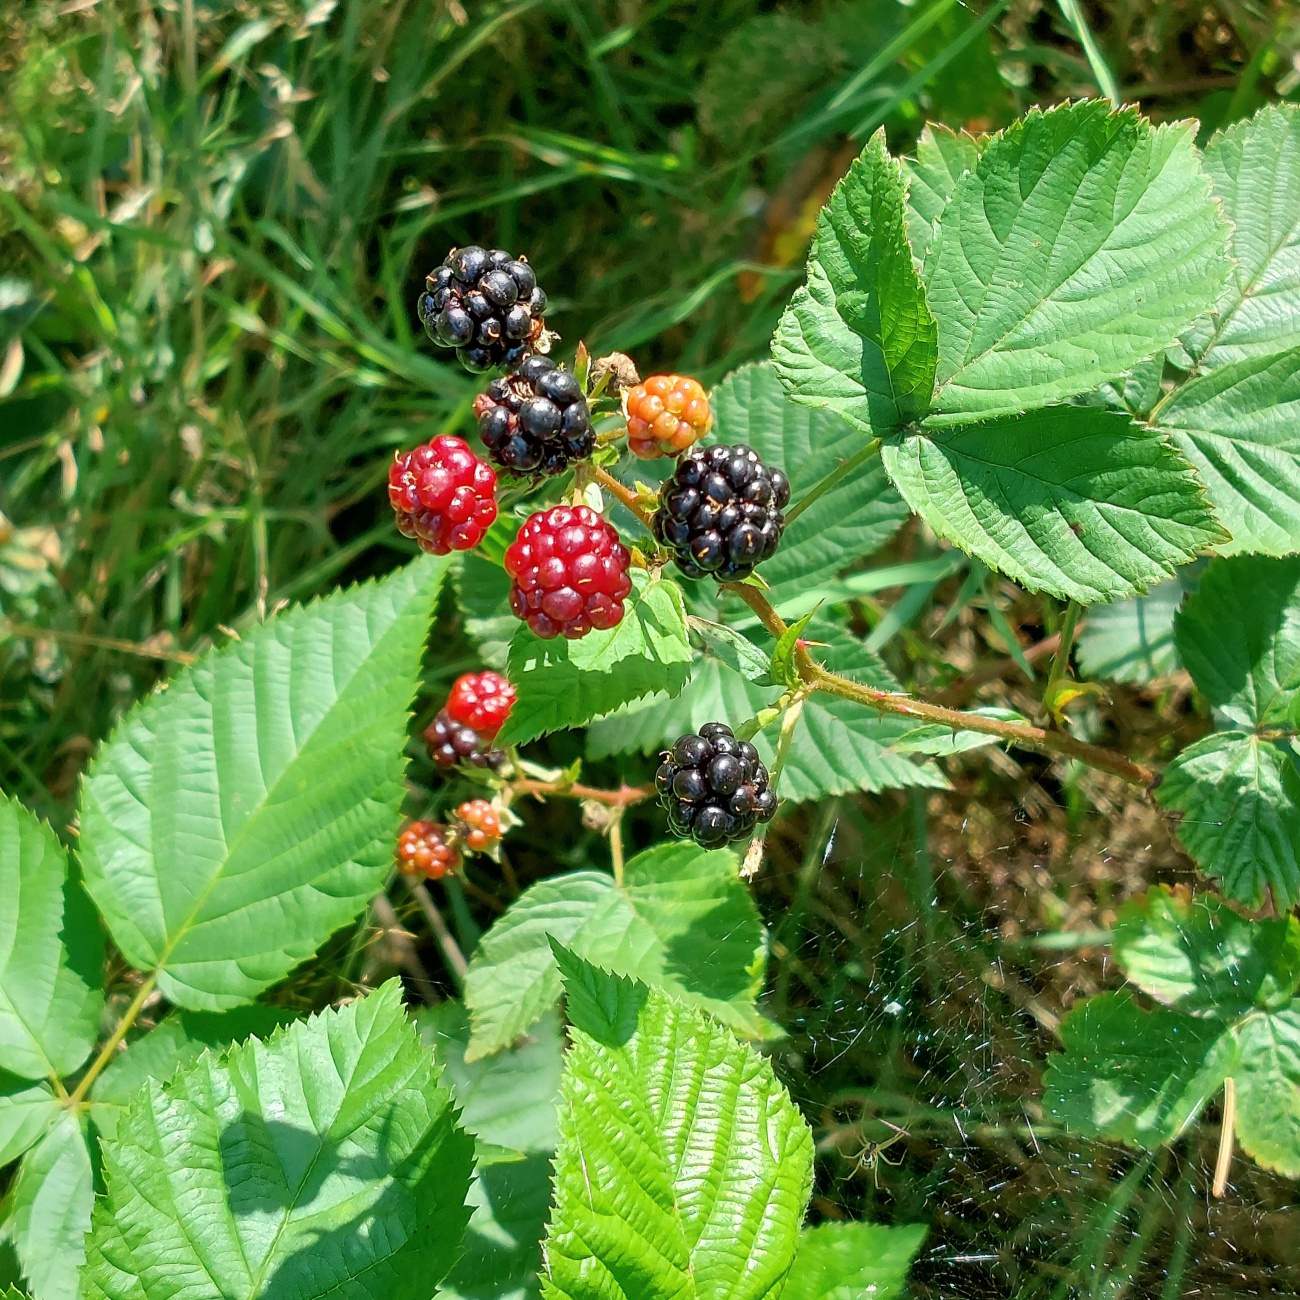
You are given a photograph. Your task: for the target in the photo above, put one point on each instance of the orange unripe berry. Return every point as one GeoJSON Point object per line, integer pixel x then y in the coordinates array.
{"type": "Point", "coordinates": [666, 415]}
{"type": "Point", "coordinates": [423, 851]}
{"type": "Point", "coordinates": [478, 825]}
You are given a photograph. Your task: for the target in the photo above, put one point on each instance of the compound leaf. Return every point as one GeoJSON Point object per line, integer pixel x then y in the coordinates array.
{"type": "Point", "coordinates": [237, 819]}
{"type": "Point", "coordinates": [51, 953]}
{"type": "Point", "coordinates": [851, 519]}
{"type": "Point", "coordinates": [1254, 167]}
{"type": "Point", "coordinates": [849, 1261]}
{"type": "Point", "coordinates": [1136, 1076]}
{"type": "Point", "coordinates": [943, 157]}
{"type": "Point", "coordinates": [49, 1207]}
{"type": "Point", "coordinates": [1240, 426]}
{"type": "Point", "coordinates": [1075, 501]}
{"type": "Point", "coordinates": [702, 1164]}
{"type": "Point", "coordinates": [858, 338]}
{"type": "Point", "coordinates": [1199, 956]}
{"type": "Point", "coordinates": [1268, 1090]}
{"type": "Point", "coordinates": [324, 1162]}
{"type": "Point", "coordinates": [566, 683]}
{"type": "Point", "coordinates": [1239, 800]}
{"type": "Point", "coordinates": [1239, 637]}
{"type": "Point", "coordinates": [681, 919]}
{"type": "Point", "coordinates": [1131, 640]}
{"type": "Point", "coordinates": [1083, 241]}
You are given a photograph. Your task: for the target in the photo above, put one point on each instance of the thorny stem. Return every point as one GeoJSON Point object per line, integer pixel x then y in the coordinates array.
{"type": "Point", "coordinates": [109, 1050]}
{"type": "Point", "coordinates": [616, 846]}
{"type": "Point", "coordinates": [623, 493]}
{"type": "Point", "coordinates": [1017, 733]}
{"type": "Point", "coordinates": [623, 797]}
{"type": "Point", "coordinates": [1061, 660]}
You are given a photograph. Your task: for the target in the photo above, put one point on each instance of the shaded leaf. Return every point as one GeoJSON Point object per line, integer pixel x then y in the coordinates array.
{"type": "Point", "coordinates": [26, 1111]}
{"type": "Point", "coordinates": [850, 1261]}
{"type": "Point", "coordinates": [1268, 1090]}
{"type": "Point", "coordinates": [1131, 640]}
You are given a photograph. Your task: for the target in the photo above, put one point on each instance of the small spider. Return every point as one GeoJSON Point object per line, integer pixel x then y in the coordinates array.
{"type": "Point", "coordinates": [873, 1153]}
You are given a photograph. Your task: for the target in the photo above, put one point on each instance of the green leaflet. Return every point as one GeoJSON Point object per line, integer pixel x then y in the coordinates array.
{"type": "Point", "coordinates": [858, 338]}
{"type": "Point", "coordinates": [1131, 640]}
{"type": "Point", "coordinates": [1084, 241]}
{"type": "Point", "coordinates": [1075, 501]}
{"type": "Point", "coordinates": [1268, 1090]}
{"type": "Point", "coordinates": [705, 1164]}
{"type": "Point", "coordinates": [1240, 426]}
{"type": "Point", "coordinates": [26, 1111]}
{"type": "Point", "coordinates": [566, 683]}
{"type": "Point", "coordinates": [1239, 800]}
{"type": "Point", "coordinates": [847, 1261]}
{"type": "Point", "coordinates": [681, 919]}
{"type": "Point", "coordinates": [1254, 167]}
{"type": "Point", "coordinates": [853, 518]}
{"type": "Point", "coordinates": [51, 953]}
{"type": "Point", "coordinates": [49, 1208]}
{"type": "Point", "coordinates": [324, 1162]}
{"type": "Point", "coordinates": [237, 819]}
{"type": "Point", "coordinates": [1239, 637]}
{"type": "Point", "coordinates": [943, 157]}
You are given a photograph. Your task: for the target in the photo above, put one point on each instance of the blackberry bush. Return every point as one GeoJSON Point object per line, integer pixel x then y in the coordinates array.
{"type": "Point", "coordinates": [536, 420]}
{"type": "Point", "coordinates": [714, 786]}
{"type": "Point", "coordinates": [444, 496]}
{"type": "Point", "coordinates": [486, 305]}
{"type": "Point", "coordinates": [720, 512]}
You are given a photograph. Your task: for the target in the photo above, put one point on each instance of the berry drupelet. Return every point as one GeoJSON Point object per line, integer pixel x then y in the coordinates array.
{"type": "Point", "coordinates": [569, 573]}
{"type": "Point", "coordinates": [478, 825]}
{"type": "Point", "coordinates": [485, 304]}
{"type": "Point", "coordinates": [714, 786]}
{"type": "Point", "coordinates": [444, 496]}
{"type": "Point", "coordinates": [535, 421]}
{"type": "Point", "coordinates": [423, 851]}
{"type": "Point", "coordinates": [720, 512]}
{"type": "Point", "coordinates": [666, 415]}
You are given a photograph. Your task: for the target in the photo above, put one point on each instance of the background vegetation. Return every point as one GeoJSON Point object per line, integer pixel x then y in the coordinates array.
{"type": "Point", "coordinates": [213, 221]}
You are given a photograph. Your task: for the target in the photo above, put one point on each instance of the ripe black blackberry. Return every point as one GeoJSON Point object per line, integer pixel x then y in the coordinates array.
{"type": "Point", "coordinates": [720, 512]}
{"type": "Point", "coordinates": [485, 304]}
{"type": "Point", "coordinates": [535, 421]}
{"type": "Point", "coordinates": [714, 786]}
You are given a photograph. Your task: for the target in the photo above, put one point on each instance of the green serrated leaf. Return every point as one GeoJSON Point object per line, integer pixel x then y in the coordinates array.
{"type": "Point", "coordinates": [51, 953]}
{"type": "Point", "coordinates": [1240, 426]}
{"type": "Point", "coordinates": [1239, 797]}
{"type": "Point", "coordinates": [483, 595]}
{"type": "Point", "coordinates": [26, 1112]}
{"type": "Point", "coordinates": [1198, 956]}
{"type": "Point", "coordinates": [1239, 637]}
{"type": "Point", "coordinates": [858, 338]}
{"type": "Point", "coordinates": [734, 649]}
{"type": "Point", "coordinates": [1075, 501]}
{"type": "Point", "coordinates": [1131, 640]}
{"type": "Point", "coordinates": [1084, 241]}
{"type": "Point", "coordinates": [49, 1208]}
{"type": "Point", "coordinates": [1268, 1090]}
{"type": "Point", "coordinates": [606, 1006]}
{"type": "Point", "coordinates": [1138, 1076]}
{"type": "Point", "coordinates": [706, 1164]}
{"type": "Point", "coordinates": [1254, 167]}
{"type": "Point", "coordinates": [681, 919]}
{"type": "Point", "coordinates": [237, 819]}
{"type": "Point", "coordinates": [943, 157]}
{"type": "Point", "coordinates": [853, 518]}
{"type": "Point", "coordinates": [851, 1261]}
{"type": "Point", "coordinates": [567, 683]}
{"type": "Point", "coordinates": [324, 1162]}
{"type": "Point", "coordinates": [783, 668]}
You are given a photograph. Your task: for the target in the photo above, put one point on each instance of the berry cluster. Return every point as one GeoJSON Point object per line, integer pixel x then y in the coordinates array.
{"type": "Point", "coordinates": [445, 497]}
{"type": "Point", "coordinates": [666, 415]}
{"type": "Point", "coordinates": [714, 786]}
{"type": "Point", "coordinates": [720, 512]}
{"type": "Point", "coordinates": [536, 420]}
{"type": "Point", "coordinates": [569, 573]}
{"type": "Point", "coordinates": [422, 850]}
{"type": "Point", "coordinates": [478, 825]}
{"type": "Point", "coordinates": [485, 304]}
{"type": "Point", "coordinates": [465, 727]}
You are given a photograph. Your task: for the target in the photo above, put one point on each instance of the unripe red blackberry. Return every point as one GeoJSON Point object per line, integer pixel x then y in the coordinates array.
{"type": "Point", "coordinates": [569, 571]}
{"type": "Point", "coordinates": [423, 851]}
{"type": "Point", "coordinates": [478, 825]}
{"type": "Point", "coordinates": [720, 512]}
{"type": "Point", "coordinates": [714, 786]}
{"type": "Point", "coordinates": [444, 496]}
{"type": "Point", "coordinates": [485, 304]}
{"type": "Point", "coordinates": [535, 421]}
{"type": "Point", "coordinates": [666, 415]}
{"type": "Point", "coordinates": [481, 701]}
{"type": "Point", "coordinates": [451, 742]}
